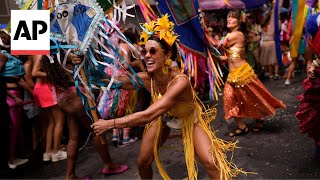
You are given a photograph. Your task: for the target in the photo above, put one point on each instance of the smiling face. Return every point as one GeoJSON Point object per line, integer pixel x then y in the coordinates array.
{"type": "Point", "coordinates": [155, 56]}
{"type": "Point", "coordinates": [232, 21]}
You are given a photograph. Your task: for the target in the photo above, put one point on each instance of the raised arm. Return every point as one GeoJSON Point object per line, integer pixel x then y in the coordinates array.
{"type": "Point", "coordinates": [36, 70]}
{"type": "Point", "coordinates": [175, 93]}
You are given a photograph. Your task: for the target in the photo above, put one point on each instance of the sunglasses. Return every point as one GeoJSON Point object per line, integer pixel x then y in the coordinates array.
{"type": "Point", "coordinates": [152, 51]}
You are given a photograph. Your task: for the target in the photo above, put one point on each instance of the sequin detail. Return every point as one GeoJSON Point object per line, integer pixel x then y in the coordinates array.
{"type": "Point", "coordinates": [252, 100]}
{"type": "Point", "coordinates": [241, 75]}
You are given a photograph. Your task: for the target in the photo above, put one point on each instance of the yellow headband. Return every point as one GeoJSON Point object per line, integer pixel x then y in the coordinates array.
{"type": "Point", "coordinates": [162, 28]}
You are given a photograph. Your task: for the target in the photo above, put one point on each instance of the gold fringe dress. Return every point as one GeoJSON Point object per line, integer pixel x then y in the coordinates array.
{"type": "Point", "coordinates": [244, 94]}
{"type": "Point", "coordinates": [190, 114]}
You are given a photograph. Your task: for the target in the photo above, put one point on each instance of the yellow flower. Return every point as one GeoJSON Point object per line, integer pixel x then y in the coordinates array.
{"type": "Point", "coordinates": [163, 24]}
{"type": "Point", "coordinates": [163, 28]}
{"type": "Point", "coordinates": [150, 26]}
{"type": "Point", "coordinates": [143, 37]}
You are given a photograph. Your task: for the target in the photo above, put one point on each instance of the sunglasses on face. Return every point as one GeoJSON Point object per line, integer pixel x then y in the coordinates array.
{"type": "Point", "coordinates": [152, 51]}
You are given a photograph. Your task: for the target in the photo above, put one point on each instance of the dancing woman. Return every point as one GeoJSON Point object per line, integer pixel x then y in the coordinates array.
{"type": "Point", "coordinates": [244, 94]}
{"type": "Point", "coordinates": [173, 100]}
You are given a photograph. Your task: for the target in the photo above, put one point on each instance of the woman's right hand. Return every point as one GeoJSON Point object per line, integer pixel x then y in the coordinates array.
{"type": "Point", "coordinates": [102, 126]}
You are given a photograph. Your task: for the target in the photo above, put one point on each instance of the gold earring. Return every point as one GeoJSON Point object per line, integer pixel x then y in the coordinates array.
{"type": "Point", "coordinates": [165, 70]}
{"type": "Point", "coordinates": [166, 66]}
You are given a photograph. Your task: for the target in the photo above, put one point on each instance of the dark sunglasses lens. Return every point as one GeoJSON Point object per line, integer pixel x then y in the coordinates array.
{"type": "Point", "coordinates": [143, 52]}
{"type": "Point", "coordinates": [152, 51]}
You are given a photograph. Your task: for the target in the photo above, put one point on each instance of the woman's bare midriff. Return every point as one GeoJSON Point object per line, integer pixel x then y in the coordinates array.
{"type": "Point", "coordinates": [234, 63]}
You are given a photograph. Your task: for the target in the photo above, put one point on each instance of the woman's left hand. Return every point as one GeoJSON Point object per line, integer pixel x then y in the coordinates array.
{"type": "Point", "coordinates": [102, 126]}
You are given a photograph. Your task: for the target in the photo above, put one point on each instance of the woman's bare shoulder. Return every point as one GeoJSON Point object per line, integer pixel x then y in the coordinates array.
{"type": "Point", "coordinates": [236, 37]}
{"type": "Point", "coordinates": [237, 34]}
{"type": "Point", "coordinates": [180, 78]}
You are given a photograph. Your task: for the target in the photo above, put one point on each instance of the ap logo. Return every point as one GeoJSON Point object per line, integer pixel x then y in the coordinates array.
{"type": "Point", "coordinates": [30, 32]}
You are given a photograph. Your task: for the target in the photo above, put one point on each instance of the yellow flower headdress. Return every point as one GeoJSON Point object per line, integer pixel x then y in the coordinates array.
{"type": "Point", "coordinates": [161, 27]}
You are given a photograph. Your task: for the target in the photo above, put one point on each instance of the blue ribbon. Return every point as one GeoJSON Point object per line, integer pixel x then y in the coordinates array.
{"type": "Point", "coordinates": [56, 47]}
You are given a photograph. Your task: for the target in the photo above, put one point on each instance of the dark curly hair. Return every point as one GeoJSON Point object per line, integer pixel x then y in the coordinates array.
{"type": "Point", "coordinates": [56, 75]}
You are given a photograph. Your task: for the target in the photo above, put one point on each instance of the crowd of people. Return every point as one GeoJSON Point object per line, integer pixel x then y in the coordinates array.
{"type": "Point", "coordinates": [38, 88]}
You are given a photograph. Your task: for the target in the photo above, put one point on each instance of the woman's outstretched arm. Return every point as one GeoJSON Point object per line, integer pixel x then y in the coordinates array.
{"type": "Point", "coordinates": [158, 108]}
{"type": "Point", "coordinates": [37, 68]}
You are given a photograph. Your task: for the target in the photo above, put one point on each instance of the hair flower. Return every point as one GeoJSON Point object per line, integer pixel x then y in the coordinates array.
{"type": "Point", "coordinates": [162, 28]}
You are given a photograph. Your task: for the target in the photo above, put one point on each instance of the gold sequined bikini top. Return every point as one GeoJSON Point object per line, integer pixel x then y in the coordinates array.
{"type": "Point", "coordinates": [236, 52]}
{"type": "Point", "coordinates": [181, 109]}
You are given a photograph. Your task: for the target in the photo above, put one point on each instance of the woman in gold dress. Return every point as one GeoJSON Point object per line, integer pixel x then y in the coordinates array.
{"type": "Point", "coordinates": [174, 101]}
{"type": "Point", "coordinates": [244, 94]}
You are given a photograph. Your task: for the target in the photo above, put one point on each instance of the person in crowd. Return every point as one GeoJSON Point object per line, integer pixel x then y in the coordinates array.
{"type": "Point", "coordinates": [304, 50]}
{"type": "Point", "coordinates": [244, 94]}
{"type": "Point", "coordinates": [45, 96]}
{"type": "Point", "coordinates": [254, 34]}
{"type": "Point", "coordinates": [4, 113]}
{"type": "Point", "coordinates": [210, 32]}
{"type": "Point", "coordinates": [174, 103]}
{"type": "Point", "coordinates": [268, 56]}
{"type": "Point", "coordinates": [31, 110]}
{"type": "Point", "coordinates": [15, 100]}
{"type": "Point", "coordinates": [11, 72]}
{"type": "Point", "coordinates": [134, 59]}
{"type": "Point", "coordinates": [127, 100]}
